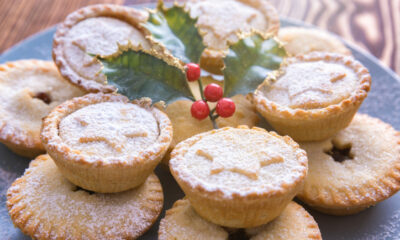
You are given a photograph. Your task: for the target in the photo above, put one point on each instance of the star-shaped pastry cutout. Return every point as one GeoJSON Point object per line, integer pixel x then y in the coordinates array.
{"type": "Point", "coordinates": [117, 140]}
{"type": "Point", "coordinates": [248, 164]}
{"type": "Point", "coordinates": [117, 143]}
{"type": "Point", "coordinates": [316, 78]}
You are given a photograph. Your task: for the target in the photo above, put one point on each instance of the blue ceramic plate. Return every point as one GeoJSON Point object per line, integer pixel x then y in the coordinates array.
{"type": "Point", "coordinates": [379, 222]}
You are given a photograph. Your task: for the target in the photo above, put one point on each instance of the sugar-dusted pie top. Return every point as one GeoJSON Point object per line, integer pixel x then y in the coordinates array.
{"type": "Point", "coordinates": [312, 85]}
{"type": "Point", "coordinates": [221, 20]}
{"type": "Point", "coordinates": [299, 40]}
{"type": "Point", "coordinates": [100, 36]}
{"type": "Point", "coordinates": [44, 203]}
{"type": "Point", "coordinates": [316, 80]}
{"type": "Point", "coordinates": [109, 130]}
{"type": "Point", "coordinates": [239, 161]}
{"type": "Point", "coordinates": [293, 223]}
{"type": "Point", "coordinates": [29, 90]}
{"type": "Point", "coordinates": [95, 30]}
{"type": "Point", "coordinates": [372, 174]}
{"type": "Point", "coordinates": [182, 222]}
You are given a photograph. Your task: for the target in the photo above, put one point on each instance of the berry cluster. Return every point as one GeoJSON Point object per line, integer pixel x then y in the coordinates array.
{"type": "Point", "coordinates": [212, 93]}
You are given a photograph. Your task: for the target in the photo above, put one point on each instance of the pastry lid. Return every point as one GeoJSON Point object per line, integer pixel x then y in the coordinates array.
{"type": "Point", "coordinates": [239, 162]}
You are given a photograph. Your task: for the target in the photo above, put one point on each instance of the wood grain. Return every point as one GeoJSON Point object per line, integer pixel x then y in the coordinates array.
{"type": "Point", "coordinates": [373, 25]}
{"type": "Point", "coordinates": [21, 18]}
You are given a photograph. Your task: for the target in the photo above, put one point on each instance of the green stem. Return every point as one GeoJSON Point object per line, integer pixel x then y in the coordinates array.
{"type": "Point", "coordinates": [201, 89]}
{"type": "Point", "coordinates": [212, 111]}
{"type": "Point", "coordinates": [211, 114]}
{"type": "Point", "coordinates": [213, 117]}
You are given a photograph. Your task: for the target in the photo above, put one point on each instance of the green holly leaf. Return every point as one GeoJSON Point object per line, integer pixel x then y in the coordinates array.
{"type": "Point", "coordinates": [138, 73]}
{"type": "Point", "coordinates": [176, 30]}
{"type": "Point", "coordinates": [249, 61]}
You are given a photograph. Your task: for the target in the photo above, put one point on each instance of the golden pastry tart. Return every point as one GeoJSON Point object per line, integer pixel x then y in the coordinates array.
{"type": "Point", "coordinates": [182, 222]}
{"type": "Point", "coordinates": [300, 41]}
{"type": "Point", "coordinates": [221, 21]}
{"type": "Point", "coordinates": [313, 96]}
{"type": "Point", "coordinates": [294, 223]}
{"type": "Point", "coordinates": [104, 143]}
{"type": "Point", "coordinates": [29, 90]}
{"type": "Point", "coordinates": [239, 177]}
{"type": "Point", "coordinates": [95, 29]}
{"type": "Point", "coordinates": [45, 205]}
{"type": "Point", "coordinates": [355, 169]}
{"type": "Point", "coordinates": [185, 125]}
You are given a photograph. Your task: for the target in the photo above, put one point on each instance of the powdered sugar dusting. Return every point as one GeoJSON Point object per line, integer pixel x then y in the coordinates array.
{"type": "Point", "coordinates": [293, 223]}
{"type": "Point", "coordinates": [221, 20]}
{"type": "Point", "coordinates": [57, 204]}
{"type": "Point", "coordinates": [375, 152]}
{"type": "Point", "coordinates": [313, 85]}
{"type": "Point", "coordinates": [99, 35]}
{"type": "Point", "coordinates": [389, 230]}
{"type": "Point", "coordinates": [300, 40]}
{"type": "Point", "coordinates": [241, 161]}
{"type": "Point", "coordinates": [109, 130]}
{"type": "Point", "coordinates": [21, 112]}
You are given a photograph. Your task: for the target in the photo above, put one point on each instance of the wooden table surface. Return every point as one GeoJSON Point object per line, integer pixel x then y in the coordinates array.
{"type": "Point", "coordinates": [371, 24]}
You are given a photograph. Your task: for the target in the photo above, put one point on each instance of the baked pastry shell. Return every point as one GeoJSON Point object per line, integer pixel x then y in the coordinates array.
{"type": "Point", "coordinates": [330, 42]}
{"type": "Point", "coordinates": [127, 14]}
{"type": "Point", "coordinates": [24, 143]}
{"type": "Point", "coordinates": [237, 210]}
{"type": "Point", "coordinates": [29, 219]}
{"type": "Point", "coordinates": [180, 223]}
{"type": "Point", "coordinates": [103, 176]}
{"type": "Point", "coordinates": [212, 59]}
{"type": "Point", "coordinates": [353, 201]}
{"type": "Point", "coordinates": [315, 124]}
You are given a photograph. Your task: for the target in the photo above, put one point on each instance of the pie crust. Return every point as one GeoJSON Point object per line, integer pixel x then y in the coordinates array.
{"type": "Point", "coordinates": [221, 21]}
{"type": "Point", "coordinates": [350, 186]}
{"type": "Point", "coordinates": [299, 41]}
{"type": "Point", "coordinates": [182, 222]}
{"type": "Point", "coordinates": [104, 143]}
{"type": "Point", "coordinates": [95, 29]}
{"type": "Point", "coordinates": [29, 90]}
{"type": "Point", "coordinates": [322, 116]}
{"type": "Point", "coordinates": [45, 205]}
{"type": "Point", "coordinates": [294, 223]}
{"type": "Point", "coordinates": [239, 177]}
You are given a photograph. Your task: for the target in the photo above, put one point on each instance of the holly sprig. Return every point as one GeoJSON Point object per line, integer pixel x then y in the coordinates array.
{"type": "Point", "coordinates": [162, 73]}
{"type": "Point", "coordinates": [212, 93]}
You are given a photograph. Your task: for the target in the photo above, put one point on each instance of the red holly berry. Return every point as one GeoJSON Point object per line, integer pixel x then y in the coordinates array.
{"type": "Point", "coordinates": [192, 72]}
{"type": "Point", "coordinates": [213, 92]}
{"type": "Point", "coordinates": [200, 109]}
{"type": "Point", "coordinates": [225, 107]}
